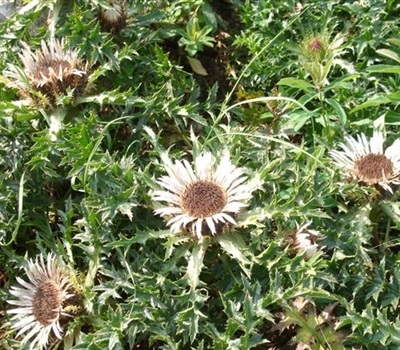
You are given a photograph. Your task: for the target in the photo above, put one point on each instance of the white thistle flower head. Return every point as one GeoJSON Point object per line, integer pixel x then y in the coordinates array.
{"type": "Point", "coordinates": [114, 17]}
{"type": "Point", "coordinates": [304, 241]}
{"type": "Point", "coordinates": [40, 301]}
{"type": "Point", "coordinates": [368, 162]}
{"type": "Point", "coordinates": [206, 198]}
{"type": "Point", "coordinates": [49, 73]}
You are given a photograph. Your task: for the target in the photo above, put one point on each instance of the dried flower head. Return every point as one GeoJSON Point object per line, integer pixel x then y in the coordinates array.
{"type": "Point", "coordinates": [206, 198]}
{"type": "Point", "coordinates": [113, 18]}
{"type": "Point", "coordinates": [49, 73]}
{"type": "Point", "coordinates": [368, 163]}
{"type": "Point", "coordinates": [41, 301]}
{"type": "Point", "coordinates": [304, 241]}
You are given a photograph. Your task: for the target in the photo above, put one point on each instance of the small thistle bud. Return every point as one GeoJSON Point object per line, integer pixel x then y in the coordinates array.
{"type": "Point", "coordinates": [315, 45]}
{"type": "Point", "coordinates": [315, 48]}
{"type": "Point", "coordinates": [304, 241]}
{"type": "Point", "coordinates": [114, 17]}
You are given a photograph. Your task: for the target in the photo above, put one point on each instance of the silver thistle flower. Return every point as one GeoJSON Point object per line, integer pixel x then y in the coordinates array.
{"type": "Point", "coordinates": [40, 301]}
{"type": "Point", "coordinates": [49, 73]}
{"type": "Point", "coordinates": [206, 198]}
{"type": "Point", "coordinates": [368, 162]}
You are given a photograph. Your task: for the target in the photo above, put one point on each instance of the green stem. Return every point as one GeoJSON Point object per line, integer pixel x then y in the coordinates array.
{"type": "Point", "coordinates": [386, 241]}
{"type": "Point", "coordinates": [20, 209]}
{"type": "Point", "coordinates": [94, 262]}
{"type": "Point", "coordinates": [96, 249]}
{"type": "Point", "coordinates": [324, 116]}
{"type": "Point", "coordinates": [56, 12]}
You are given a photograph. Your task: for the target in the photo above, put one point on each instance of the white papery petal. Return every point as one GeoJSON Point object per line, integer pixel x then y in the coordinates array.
{"type": "Point", "coordinates": [168, 211]}
{"type": "Point", "coordinates": [393, 152]}
{"type": "Point", "coordinates": [235, 207]}
{"type": "Point", "coordinates": [364, 145]}
{"type": "Point", "coordinates": [173, 186]}
{"type": "Point", "coordinates": [377, 143]}
{"type": "Point", "coordinates": [211, 225]}
{"type": "Point", "coordinates": [198, 225]}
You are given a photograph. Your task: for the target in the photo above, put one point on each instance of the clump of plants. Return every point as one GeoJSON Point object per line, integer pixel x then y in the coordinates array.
{"type": "Point", "coordinates": [199, 175]}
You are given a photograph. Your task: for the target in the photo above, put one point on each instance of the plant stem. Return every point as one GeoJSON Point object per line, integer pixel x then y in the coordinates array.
{"type": "Point", "coordinates": [324, 116]}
